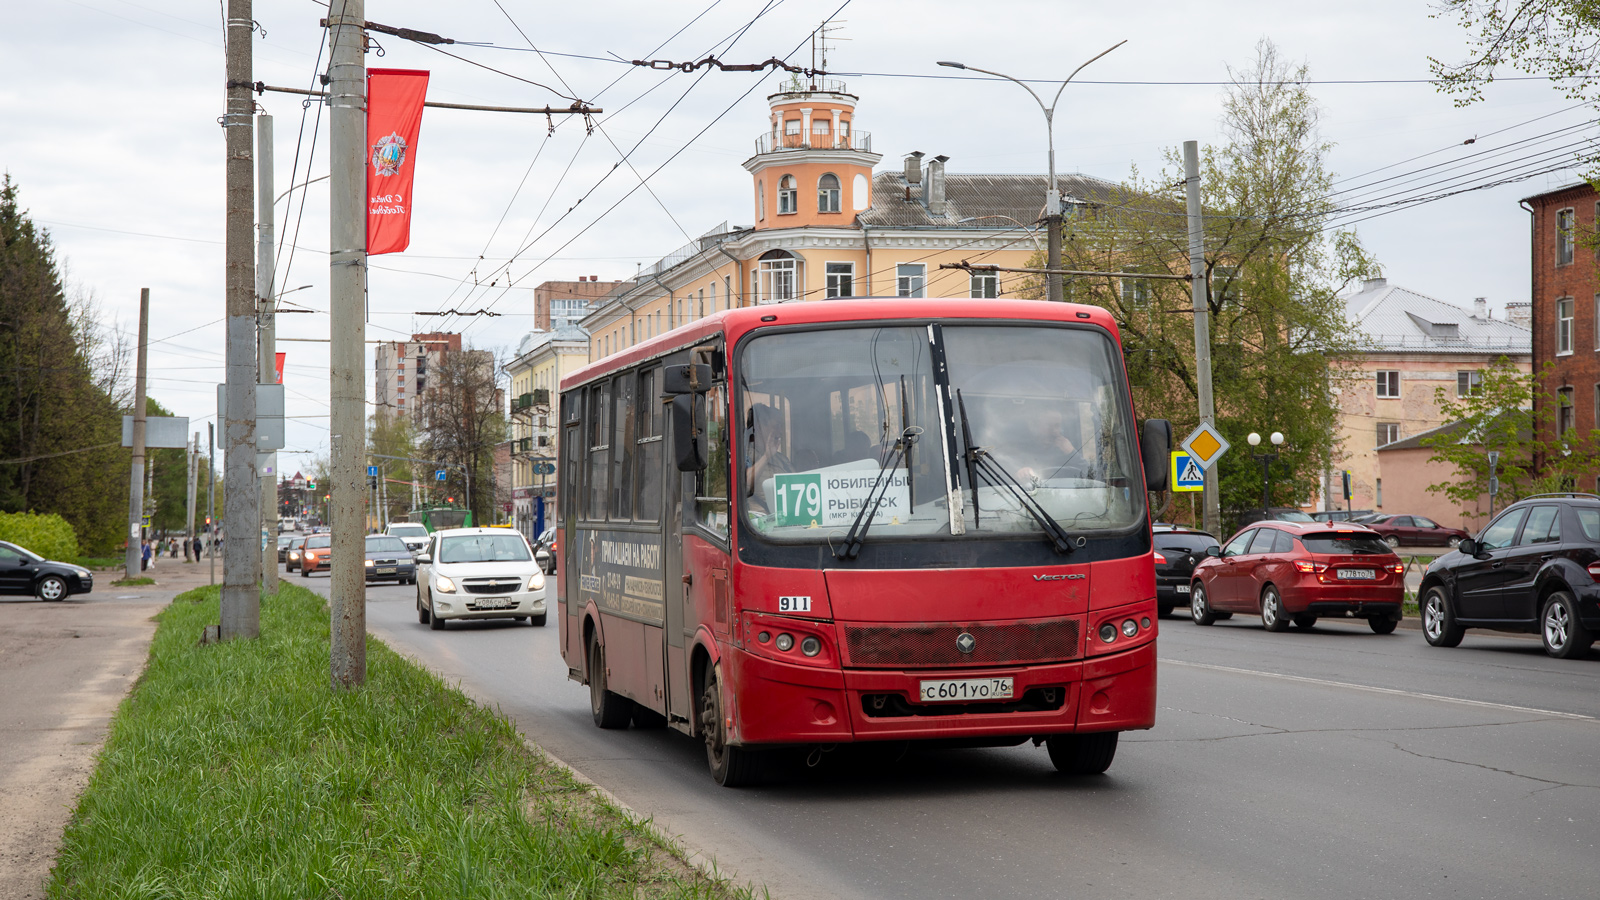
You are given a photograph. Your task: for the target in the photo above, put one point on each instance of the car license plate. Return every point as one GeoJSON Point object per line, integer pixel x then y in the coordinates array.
{"type": "Point", "coordinates": [1357, 574]}
{"type": "Point", "coordinates": [386, 570]}
{"type": "Point", "coordinates": [957, 690]}
{"type": "Point", "coordinates": [1180, 588]}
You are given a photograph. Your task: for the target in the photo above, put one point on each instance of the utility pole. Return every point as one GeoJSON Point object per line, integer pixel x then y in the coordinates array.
{"type": "Point", "coordinates": [347, 251]}
{"type": "Point", "coordinates": [211, 497]}
{"type": "Point", "coordinates": [1202, 323]}
{"type": "Point", "coordinates": [193, 485]}
{"type": "Point", "coordinates": [241, 598]}
{"type": "Point", "coordinates": [134, 558]}
{"type": "Point", "coordinates": [266, 336]}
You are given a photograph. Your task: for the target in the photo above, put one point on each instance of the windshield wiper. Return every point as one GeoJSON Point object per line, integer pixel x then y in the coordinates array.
{"type": "Point", "coordinates": [851, 548]}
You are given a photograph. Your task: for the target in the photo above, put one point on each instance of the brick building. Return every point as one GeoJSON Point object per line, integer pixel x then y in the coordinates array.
{"type": "Point", "coordinates": [558, 303]}
{"type": "Point", "coordinates": [1566, 305]}
{"type": "Point", "coordinates": [400, 373]}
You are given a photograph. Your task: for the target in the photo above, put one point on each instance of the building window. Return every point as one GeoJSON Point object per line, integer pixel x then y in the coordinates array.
{"type": "Point", "coordinates": [761, 199]}
{"type": "Point", "coordinates": [1377, 486]}
{"type": "Point", "coordinates": [984, 285]}
{"type": "Point", "coordinates": [828, 191]}
{"type": "Point", "coordinates": [819, 126]}
{"type": "Point", "coordinates": [1564, 326]}
{"type": "Point", "coordinates": [841, 279]}
{"type": "Point", "coordinates": [1564, 411]}
{"type": "Point", "coordinates": [1597, 322]}
{"type": "Point", "coordinates": [1388, 433]}
{"type": "Point", "coordinates": [713, 296]}
{"type": "Point", "coordinates": [1564, 237]}
{"type": "Point", "coordinates": [909, 279]}
{"type": "Point", "coordinates": [1389, 383]}
{"type": "Point", "coordinates": [1136, 290]}
{"type": "Point", "coordinates": [1225, 283]}
{"type": "Point", "coordinates": [1469, 383]}
{"type": "Point", "coordinates": [791, 126]}
{"type": "Point", "coordinates": [787, 196]}
{"type": "Point", "coordinates": [1597, 405]}
{"type": "Point", "coordinates": [778, 277]}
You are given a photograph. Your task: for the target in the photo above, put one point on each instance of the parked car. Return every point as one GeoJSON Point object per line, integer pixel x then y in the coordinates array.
{"type": "Point", "coordinates": [284, 540]}
{"type": "Point", "coordinates": [291, 558]}
{"type": "Point", "coordinates": [1178, 551]}
{"type": "Point", "coordinates": [1340, 515]}
{"type": "Point", "coordinates": [1299, 572]}
{"type": "Point", "coordinates": [24, 572]}
{"type": "Point", "coordinates": [544, 550]}
{"type": "Point", "coordinates": [314, 553]}
{"type": "Point", "coordinates": [388, 559]}
{"type": "Point", "coordinates": [1412, 531]}
{"type": "Point", "coordinates": [415, 534]}
{"type": "Point", "coordinates": [1273, 514]}
{"type": "Point", "coordinates": [1534, 569]}
{"type": "Point", "coordinates": [478, 573]}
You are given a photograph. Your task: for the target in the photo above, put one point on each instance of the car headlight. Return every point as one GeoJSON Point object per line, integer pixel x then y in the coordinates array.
{"type": "Point", "coordinates": [369, 563]}
{"type": "Point", "coordinates": [444, 585]}
{"type": "Point", "coordinates": [536, 581]}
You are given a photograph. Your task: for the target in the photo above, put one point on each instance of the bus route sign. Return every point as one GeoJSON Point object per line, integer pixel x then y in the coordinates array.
{"type": "Point", "coordinates": [834, 496]}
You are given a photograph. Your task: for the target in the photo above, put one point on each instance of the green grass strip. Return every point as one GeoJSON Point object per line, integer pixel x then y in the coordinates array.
{"type": "Point", "coordinates": [235, 771]}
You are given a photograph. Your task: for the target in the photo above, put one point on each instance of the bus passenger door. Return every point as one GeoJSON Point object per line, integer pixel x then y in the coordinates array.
{"type": "Point", "coordinates": [570, 569]}
{"type": "Point", "coordinates": [675, 588]}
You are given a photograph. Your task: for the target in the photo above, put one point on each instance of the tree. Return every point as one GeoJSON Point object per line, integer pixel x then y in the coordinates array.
{"type": "Point", "coordinates": [1558, 38]}
{"type": "Point", "coordinates": [1274, 274]}
{"type": "Point", "coordinates": [1501, 417]}
{"type": "Point", "coordinates": [463, 424]}
{"type": "Point", "coordinates": [391, 435]}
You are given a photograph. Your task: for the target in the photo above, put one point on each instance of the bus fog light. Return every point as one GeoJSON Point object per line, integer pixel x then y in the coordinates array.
{"type": "Point", "coordinates": [764, 636]}
{"type": "Point", "coordinates": [1144, 622]}
{"type": "Point", "coordinates": [810, 646]}
{"type": "Point", "coordinates": [1108, 632]}
{"type": "Point", "coordinates": [1130, 628]}
{"type": "Point", "coordinates": [785, 641]}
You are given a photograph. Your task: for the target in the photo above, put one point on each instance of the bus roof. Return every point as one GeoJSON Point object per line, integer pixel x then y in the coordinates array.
{"type": "Point", "coordinates": [735, 323]}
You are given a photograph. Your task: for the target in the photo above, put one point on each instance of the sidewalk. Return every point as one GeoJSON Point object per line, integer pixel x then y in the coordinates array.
{"type": "Point", "coordinates": [64, 669]}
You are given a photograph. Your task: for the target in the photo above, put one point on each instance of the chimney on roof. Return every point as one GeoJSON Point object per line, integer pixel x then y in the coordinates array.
{"type": "Point", "coordinates": [1520, 314]}
{"type": "Point", "coordinates": [933, 192]}
{"type": "Point", "coordinates": [914, 167]}
{"type": "Point", "coordinates": [1480, 307]}
{"type": "Point", "coordinates": [1372, 284]}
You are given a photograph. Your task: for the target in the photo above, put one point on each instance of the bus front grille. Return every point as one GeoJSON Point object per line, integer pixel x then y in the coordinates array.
{"type": "Point", "coordinates": [913, 646]}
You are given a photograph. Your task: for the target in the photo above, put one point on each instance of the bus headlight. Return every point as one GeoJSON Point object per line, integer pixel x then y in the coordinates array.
{"type": "Point", "coordinates": [1108, 632]}
{"type": "Point", "coordinates": [443, 585]}
{"type": "Point", "coordinates": [536, 581]}
{"type": "Point", "coordinates": [810, 646]}
{"type": "Point", "coordinates": [785, 642]}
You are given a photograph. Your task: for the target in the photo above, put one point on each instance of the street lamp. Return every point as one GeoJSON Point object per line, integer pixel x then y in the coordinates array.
{"type": "Point", "coordinates": [1266, 460]}
{"type": "Point", "coordinates": [1052, 197]}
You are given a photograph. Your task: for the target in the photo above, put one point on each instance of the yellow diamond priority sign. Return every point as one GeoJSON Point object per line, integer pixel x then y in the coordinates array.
{"type": "Point", "coordinates": [1205, 446]}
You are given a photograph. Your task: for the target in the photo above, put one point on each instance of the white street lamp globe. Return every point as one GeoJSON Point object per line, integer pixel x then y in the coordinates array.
{"type": "Point", "coordinates": [1254, 439]}
{"type": "Point", "coordinates": [1277, 437]}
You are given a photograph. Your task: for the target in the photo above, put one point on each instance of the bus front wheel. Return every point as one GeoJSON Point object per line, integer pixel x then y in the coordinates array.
{"type": "Point", "coordinates": [1082, 754]}
{"type": "Point", "coordinates": [609, 710]}
{"type": "Point", "coordinates": [730, 766]}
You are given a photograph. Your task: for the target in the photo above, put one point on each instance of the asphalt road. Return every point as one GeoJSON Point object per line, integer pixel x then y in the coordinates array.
{"type": "Point", "coordinates": [1333, 764]}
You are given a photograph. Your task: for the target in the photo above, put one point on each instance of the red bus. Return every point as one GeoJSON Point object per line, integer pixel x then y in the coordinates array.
{"type": "Point", "coordinates": [897, 519]}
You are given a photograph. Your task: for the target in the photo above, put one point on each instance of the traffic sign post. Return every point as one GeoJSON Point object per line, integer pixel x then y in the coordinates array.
{"type": "Point", "coordinates": [1187, 475]}
{"type": "Point", "coordinates": [438, 475]}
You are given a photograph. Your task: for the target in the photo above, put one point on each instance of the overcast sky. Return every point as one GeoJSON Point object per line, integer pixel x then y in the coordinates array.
{"type": "Point", "coordinates": [108, 124]}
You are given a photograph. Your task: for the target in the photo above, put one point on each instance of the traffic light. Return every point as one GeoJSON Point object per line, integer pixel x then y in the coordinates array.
{"type": "Point", "coordinates": [1347, 484]}
{"type": "Point", "coordinates": [311, 486]}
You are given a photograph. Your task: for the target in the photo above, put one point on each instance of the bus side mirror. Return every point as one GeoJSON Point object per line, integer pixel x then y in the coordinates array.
{"type": "Point", "coordinates": [1155, 445]}
{"type": "Point", "coordinates": [686, 379]}
{"type": "Point", "coordinates": [689, 431]}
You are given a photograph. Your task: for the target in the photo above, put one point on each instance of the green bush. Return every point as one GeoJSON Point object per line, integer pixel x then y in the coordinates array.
{"type": "Point", "coordinates": [49, 535]}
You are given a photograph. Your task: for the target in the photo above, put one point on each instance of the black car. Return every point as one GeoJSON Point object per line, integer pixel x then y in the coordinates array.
{"type": "Point", "coordinates": [1178, 551]}
{"type": "Point", "coordinates": [284, 540]}
{"type": "Point", "coordinates": [1275, 514]}
{"type": "Point", "coordinates": [1340, 515]}
{"type": "Point", "coordinates": [1534, 569]}
{"type": "Point", "coordinates": [388, 559]}
{"type": "Point", "coordinates": [24, 572]}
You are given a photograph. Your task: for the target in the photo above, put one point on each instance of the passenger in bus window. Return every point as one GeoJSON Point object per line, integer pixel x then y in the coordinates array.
{"type": "Point", "coordinates": [767, 456]}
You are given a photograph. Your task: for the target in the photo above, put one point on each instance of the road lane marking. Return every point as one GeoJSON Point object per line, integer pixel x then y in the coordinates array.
{"type": "Point", "coordinates": [1380, 690]}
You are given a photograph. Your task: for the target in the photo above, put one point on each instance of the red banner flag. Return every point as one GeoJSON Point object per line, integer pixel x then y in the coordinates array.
{"type": "Point", "coordinates": [280, 366]}
{"type": "Point", "coordinates": [394, 120]}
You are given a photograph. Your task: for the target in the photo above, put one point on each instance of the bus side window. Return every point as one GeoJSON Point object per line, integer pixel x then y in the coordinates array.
{"type": "Point", "coordinates": [647, 449]}
{"type": "Point", "coordinates": [711, 484]}
{"type": "Point", "coordinates": [622, 449]}
{"type": "Point", "coordinates": [599, 440]}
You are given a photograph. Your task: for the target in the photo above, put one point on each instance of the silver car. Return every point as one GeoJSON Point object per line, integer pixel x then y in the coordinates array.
{"type": "Point", "coordinates": [479, 573]}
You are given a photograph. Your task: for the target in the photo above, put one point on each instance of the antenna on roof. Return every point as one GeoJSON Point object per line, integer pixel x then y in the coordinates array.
{"type": "Point", "coordinates": [819, 46]}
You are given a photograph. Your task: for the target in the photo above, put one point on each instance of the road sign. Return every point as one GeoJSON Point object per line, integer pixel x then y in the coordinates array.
{"type": "Point", "coordinates": [439, 475]}
{"type": "Point", "coordinates": [1206, 445]}
{"type": "Point", "coordinates": [1186, 473]}
{"type": "Point", "coordinates": [372, 471]}
{"type": "Point", "coordinates": [544, 468]}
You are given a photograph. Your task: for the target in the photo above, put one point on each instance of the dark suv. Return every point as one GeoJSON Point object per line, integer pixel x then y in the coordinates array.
{"type": "Point", "coordinates": [1534, 569]}
{"type": "Point", "coordinates": [1178, 550]}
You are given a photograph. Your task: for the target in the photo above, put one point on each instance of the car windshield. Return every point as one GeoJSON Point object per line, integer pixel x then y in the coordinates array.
{"type": "Point", "coordinates": [484, 548]}
{"type": "Point", "coordinates": [408, 530]}
{"type": "Point", "coordinates": [317, 541]}
{"type": "Point", "coordinates": [385, 544]}
{"type": "Point", "coordinates": [1345, 543]}
{"type": "Point", "coordinates": [822, 412]}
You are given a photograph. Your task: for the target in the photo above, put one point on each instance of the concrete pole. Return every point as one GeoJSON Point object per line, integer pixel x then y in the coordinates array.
{"type": "Point", "coordinates": [241, 598]}
{"type": "Point", "coordinates": [266, 336]}
{"type": "Point", "coordinates": [193, 485]}
{"type": "Point", "coordinates": [1202, 323]}
{"type": "Point", "coordinates": [347, 286]}
{"type": "Point", "coordinates": [211, 497]}
{"type": "Point", "coordinates": [134, 557]}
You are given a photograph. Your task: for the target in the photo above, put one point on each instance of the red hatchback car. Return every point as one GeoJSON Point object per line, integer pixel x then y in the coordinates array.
{"type": "Point", "coordinates": [1300, 571]}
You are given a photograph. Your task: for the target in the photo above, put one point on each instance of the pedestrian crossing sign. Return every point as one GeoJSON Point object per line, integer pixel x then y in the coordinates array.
{"type": "Point", "coordinates": [1186, 473]}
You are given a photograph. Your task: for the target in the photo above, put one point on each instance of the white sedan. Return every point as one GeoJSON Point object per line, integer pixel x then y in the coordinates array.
{"type": "Point", "coordinates": [478, 573]}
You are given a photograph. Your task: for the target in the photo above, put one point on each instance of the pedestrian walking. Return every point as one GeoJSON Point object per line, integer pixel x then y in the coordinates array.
{"type": "Point", "coordinates": [144, 555]}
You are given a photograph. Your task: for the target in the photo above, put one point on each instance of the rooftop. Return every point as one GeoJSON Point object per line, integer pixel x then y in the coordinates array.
{"type": "Point", "coordinates": [1013, 196]}
{"type": "Point", "coordinates": [1397, 319]}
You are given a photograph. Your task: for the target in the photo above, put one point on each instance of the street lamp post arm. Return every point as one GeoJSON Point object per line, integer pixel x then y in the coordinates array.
{"type": "Point", "coordinates": [1082, 67]}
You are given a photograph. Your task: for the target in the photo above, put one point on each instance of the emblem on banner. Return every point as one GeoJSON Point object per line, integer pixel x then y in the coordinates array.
{"type": "Point", "coordinates": [388, 155]}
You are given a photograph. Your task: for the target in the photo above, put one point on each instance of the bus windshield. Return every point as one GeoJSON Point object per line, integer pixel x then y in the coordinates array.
{"type": "Point", "coordinates": [1038, 410]}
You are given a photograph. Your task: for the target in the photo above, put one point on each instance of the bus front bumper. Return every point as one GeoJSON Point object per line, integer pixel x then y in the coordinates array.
{"type": "Point", "coordinates": [780, 703]}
